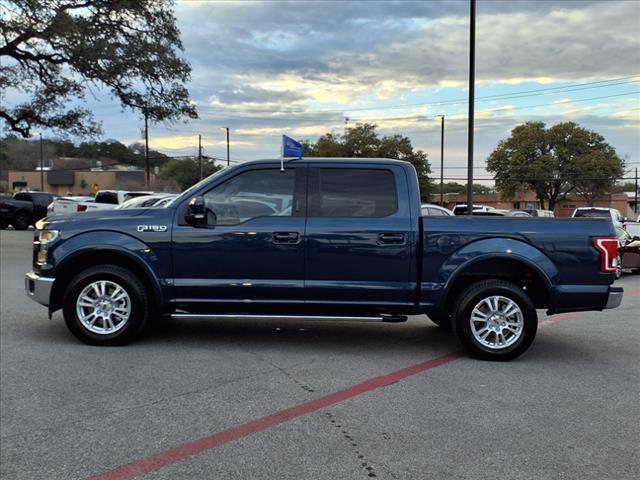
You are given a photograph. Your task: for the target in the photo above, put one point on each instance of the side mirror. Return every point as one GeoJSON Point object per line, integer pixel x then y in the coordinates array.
{"type": "Point", "coordinates": [196, 212]}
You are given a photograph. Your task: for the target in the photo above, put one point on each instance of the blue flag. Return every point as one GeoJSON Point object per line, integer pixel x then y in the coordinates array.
{"type": "Point", "coordinates": [291, 148]}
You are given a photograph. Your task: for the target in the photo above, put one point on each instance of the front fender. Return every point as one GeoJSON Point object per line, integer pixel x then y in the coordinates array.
{"type": "Point", "coordinates": [99, 242]}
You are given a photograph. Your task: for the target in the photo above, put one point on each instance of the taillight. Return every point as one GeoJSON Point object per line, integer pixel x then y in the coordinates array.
{"type": "Point", "coordinates": [608, 248]}
{"type": "Point", "coordinates": [81, 208]}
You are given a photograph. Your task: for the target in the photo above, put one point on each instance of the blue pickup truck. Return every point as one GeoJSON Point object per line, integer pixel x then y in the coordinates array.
{"type": "Point", "coordinates": [320, 239]}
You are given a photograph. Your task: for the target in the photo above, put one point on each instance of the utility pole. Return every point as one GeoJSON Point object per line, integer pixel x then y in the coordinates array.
{"type": "Point", "coordinates": [441, 160]}
{"type": "Point", "coordinates": [472, 79]}
{"type": "Point", "coordinates": [228, 158]}
{"type": "Point", "coordinates": [41, 165]}
{"type": "Point", "coordinates": [146, 150]}
{"type": "Point", "coordinates": [635, 208]}
{"type": "Point", "coordinates": [200, 157]}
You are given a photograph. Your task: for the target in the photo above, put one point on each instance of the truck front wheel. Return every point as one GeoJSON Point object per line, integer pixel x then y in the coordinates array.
{"type": "Point", "coordinates": [495, 320]}
{"type": "Point", "coordinates": [21, 221]}
{"type": "Point", "coordinates": [106, 305]}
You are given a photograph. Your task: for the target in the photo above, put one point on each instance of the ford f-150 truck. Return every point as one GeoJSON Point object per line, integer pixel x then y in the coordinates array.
{"type": "Point", "coordinates": [336, 239]}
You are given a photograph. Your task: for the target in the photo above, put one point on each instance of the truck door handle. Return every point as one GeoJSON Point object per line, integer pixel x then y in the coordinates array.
{"type": "Point", "coordinates": [391, 238]}
{"type": "Point", "coordinates": [286, 237]}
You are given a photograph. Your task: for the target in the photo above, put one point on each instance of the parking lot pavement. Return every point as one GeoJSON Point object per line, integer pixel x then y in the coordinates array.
{"type": "Point", "coordinates": [566, 409]}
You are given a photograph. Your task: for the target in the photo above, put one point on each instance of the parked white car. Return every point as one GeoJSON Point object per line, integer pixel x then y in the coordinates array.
{"type": "Point", "coordinates": [148, 201]}
{"type": "Point", "coordinates": [68, 204]}
{"type": "Point", "coordinates": [104, 200]}
{"type": "Point", "coordinates": [462, 209]}
{"type": "Point", "coordinates": [431, 210]}
{"type": "Point", "coordinates": [616, 218]}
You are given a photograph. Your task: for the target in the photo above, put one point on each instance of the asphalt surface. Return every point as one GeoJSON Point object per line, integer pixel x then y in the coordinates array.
{"type": "Point", "coordinates": [567, 409]}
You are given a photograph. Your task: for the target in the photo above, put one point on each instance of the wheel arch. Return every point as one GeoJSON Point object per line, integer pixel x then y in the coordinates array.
{"type": "Point", "coordinates": [81, 260]}
{"type": "Point", "coordinates": [523, 265]}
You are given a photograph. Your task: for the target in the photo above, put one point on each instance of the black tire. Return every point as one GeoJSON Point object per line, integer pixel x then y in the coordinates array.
{"type": "Point", "coordinates": [636, 271]}
{"type": "Point", "coordinates": [3, 224]}
{"type": "Point", "coordinates": [21, 221]}
{"type": "Point", "coordinates": [139, 305]}
{"type": "Point", "coordinates": [471, 297]}
{"type": "Point", "coordinates": [440, 319]}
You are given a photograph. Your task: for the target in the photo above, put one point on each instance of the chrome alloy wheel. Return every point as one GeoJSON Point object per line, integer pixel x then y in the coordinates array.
{"type": "Point", "coordinates": [103, 307]}
{"type": "Point", "coordinates": [497, 322]}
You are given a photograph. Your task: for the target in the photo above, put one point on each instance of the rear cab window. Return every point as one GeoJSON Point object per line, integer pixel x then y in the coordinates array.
{"type": "Point", "coordinates": [24, 196]}
{"type": "Point", "coordinates": [107, 197]}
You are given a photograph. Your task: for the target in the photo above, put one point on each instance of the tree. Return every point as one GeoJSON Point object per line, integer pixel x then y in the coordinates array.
{"type": "Point", "coordinates": [362, 140]}
{"type": "Point", "coordinates": [186, 172]}
{"type": "Point", "coordinates": [624, 187]}
{"type": "Point", "coordinates": [594, 174]}
{"type": "Point", "coordinates": [51, 50]}
{"type": "Point", "coordinates": [553, 162]}
{"type": "Point", "coordinates": [459, 188]}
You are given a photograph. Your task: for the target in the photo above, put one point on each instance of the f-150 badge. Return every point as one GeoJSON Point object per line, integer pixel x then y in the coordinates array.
{"type": "Point", "coordinates": [151, 228]}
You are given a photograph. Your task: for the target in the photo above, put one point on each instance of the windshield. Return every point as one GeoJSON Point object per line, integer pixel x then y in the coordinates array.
{"type": "Point", "coordinates": [139, 202]}
{"type": "Point", "coordinates": [593, 213]}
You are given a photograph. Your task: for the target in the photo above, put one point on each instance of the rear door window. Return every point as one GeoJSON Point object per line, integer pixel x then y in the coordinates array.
{"type": "Point", "coordinates": [352, 192]}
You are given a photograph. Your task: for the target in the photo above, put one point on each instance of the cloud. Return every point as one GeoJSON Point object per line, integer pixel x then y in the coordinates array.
{"type": "Point", "coordinates": [356, 48]}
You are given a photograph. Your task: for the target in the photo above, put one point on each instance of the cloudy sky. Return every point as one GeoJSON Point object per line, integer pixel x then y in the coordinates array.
{"type": "Point", "coordinates": [306, 68]}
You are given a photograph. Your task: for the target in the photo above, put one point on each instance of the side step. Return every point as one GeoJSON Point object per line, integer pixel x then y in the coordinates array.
{"type": "Point", "coordinates": [224, 316]}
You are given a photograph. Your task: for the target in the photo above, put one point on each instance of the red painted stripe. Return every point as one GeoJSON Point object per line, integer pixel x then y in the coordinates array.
{"type": "Point", "coordinates": [168, 457]}
{"type": "Point", "coordinates": [174, 455]}
{"type": "Point", "coordinates": [556, 319]}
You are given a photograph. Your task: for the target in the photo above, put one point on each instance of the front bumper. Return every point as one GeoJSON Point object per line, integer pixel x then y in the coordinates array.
{"type": "Point", "coordinates": [38, 288]}
{"type": "Point", "coordinates": [615, 297]}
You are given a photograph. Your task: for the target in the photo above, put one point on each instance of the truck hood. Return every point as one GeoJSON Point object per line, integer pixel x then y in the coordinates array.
{"type": "Point", "coordinates": [58, 220]}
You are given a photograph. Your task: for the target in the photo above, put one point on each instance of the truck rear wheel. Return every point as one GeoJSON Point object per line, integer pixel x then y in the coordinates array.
{"type": "Point", "coordinates": [495, 320]}
{"type": "Point", "coordinates": [106, 305]}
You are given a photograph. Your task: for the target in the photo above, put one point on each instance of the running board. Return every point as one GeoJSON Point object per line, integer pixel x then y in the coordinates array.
{"type": "Point", "coordinates": [224, 316]}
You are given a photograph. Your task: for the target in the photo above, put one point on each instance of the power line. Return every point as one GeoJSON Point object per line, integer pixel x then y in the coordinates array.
{"type": "Point", "coordinates": [518, 94]}
{"type": "Point", "coordinates": [509, 109]}
{"type": "Point", "coordinates": [460, 101]}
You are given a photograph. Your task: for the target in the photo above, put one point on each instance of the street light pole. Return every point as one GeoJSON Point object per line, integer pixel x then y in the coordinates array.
{"type": "Point", "coordinates": [441, 160]}
{"type": "Point", "coordinates": [635, 208]}
{"type": "Point", "coordinates": [41, 166]}
{"type": "Point", "coordinates": [200, 157]}
{"type": "Point", "coordinates": [146, 150]}
{"type": "Point", "coordinates": [228, 158]}
{"type": "Point", "coordinates": [472, 79]}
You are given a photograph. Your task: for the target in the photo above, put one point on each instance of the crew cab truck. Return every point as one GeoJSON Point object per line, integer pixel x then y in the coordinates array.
{"type": "Point", "coordinates": [24, 208]}
{"type": "Point", "coordinates": [336, 239]}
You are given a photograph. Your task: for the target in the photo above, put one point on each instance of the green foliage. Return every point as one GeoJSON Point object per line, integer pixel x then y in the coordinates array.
{"type": "Point", "coordinates": [52, 49]}
{"type": "Point", "coordinates": [553, 162]}
{"type": "Point", "coordinates": [459, 188]}
{"type": "Point", "coordinates": [624, 187]}
{"type": "Point", "coordinates": [20, 154]}
{"type": "Point", "coordinates": [362, 140]}
{"type": "Point", "coordinates": [186, 172]}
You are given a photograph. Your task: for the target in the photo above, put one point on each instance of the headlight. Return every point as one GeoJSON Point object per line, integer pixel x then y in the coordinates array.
{"type": "Point", "coordinates": [47, 236]}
